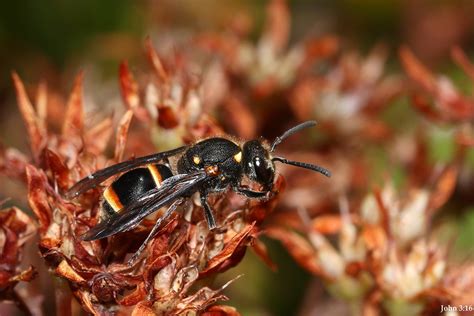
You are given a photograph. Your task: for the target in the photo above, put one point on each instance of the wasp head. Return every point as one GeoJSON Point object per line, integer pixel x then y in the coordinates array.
{"type": "Point", "coordinates": [258, 165]}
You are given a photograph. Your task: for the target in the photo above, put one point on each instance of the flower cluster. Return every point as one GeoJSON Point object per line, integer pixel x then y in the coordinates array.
{"type": "Point", "coordinates": [183, 253]}
{"type": "Point", "coordinates": [16, 228]}
{"type": "Point", "coordinates": [437, 98]}
{"type": "Point", "coordinates": [385, 257]}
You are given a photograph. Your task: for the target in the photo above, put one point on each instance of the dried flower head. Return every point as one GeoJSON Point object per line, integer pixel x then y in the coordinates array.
{"type": "Point", "coordinates": [383, 258]}
{"type": "Point", "coordinates": [437, 98]}
{"type": "Point", "coordinates": [16, 228]}
{"type": "Point", "coordinates": [170, 102]}
{"type": "Point", "coordinates": [267, 74]}
{"type": "Point", "coordinates": [183, 252]}
{"type": "Point", "coordinates": [351, 94]}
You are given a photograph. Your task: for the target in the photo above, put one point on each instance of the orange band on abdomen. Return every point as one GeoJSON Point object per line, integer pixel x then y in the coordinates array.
{"type": "Point", "coordinates": [155, 173]}
{"type": "Point", "coordinates": [111, 197]}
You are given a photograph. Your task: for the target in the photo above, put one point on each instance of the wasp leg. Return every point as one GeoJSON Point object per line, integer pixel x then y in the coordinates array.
{"type": "Point", "coordinates": [211, 222]}
{"type": "Point", "coordinates": [250, 193]}
{"type": "Point", "coordinates": [154, 231]}
{"type": "Point", "coordinates": [167, 162]}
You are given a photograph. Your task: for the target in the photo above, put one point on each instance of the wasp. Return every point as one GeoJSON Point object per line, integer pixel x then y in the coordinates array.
{"type": "Point", "coordinates": [213, 165]}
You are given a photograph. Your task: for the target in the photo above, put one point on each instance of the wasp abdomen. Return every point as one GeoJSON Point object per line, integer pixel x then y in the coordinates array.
{"type": "Point", "coordinates": [130, 185]}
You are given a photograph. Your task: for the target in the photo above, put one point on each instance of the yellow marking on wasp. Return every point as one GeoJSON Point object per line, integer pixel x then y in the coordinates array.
{"type": "Point", "coordinates": [111, 197]}
{"type": "Point", "coordinates": [155, 173]}
{"type": "Point", "coordinates": [238, 157]}
{"type": "Point", "coordinates": [196, 160]}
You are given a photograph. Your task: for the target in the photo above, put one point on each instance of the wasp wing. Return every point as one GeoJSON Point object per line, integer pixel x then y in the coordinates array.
{"type": "Point", "coordinates": [101, 175]}
{"type": "Point", "coordinates": [131, 215]}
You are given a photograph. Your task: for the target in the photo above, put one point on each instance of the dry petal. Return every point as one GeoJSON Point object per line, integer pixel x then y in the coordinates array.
{"type": "Point", "coordinates": [97, 137]}
{"type": "Point", "coordinates": [327, 224]}
{"type": "Point", "coordinates": [463, 61]}
{"type": "Point", "coordinates": [229, 250]}
{"type": "Point", "coordinates": [320, 48]}
{"type": "Point", "coordinates": [155, 61]}
{"type": "Point", "coordinates": [25, 276]}
{"type": "Point", "coordinates": [86, 300]}
{"type": "Point", "coordinates": [36, 132]}
{"type": "Point", "coordinates": [262, 252]}
{"type": "Point", "coordinates": [443, 189]}
{"type": "Point", "coordinates": [122, 132]}
{"type": "Point", "coordinates": [65, 270]}
{"type": "Point", "coordinates": [143, 309]}
{"type": "Point", "coordinates": [37, 197]}
{"type": "Point", "coordinates": [135, 297]}
{"type": "Point", "coordinates": [423, 106]}
{"type": "Point", "coordinates": [375, 238]}
{"type": "Point", "coordinates": [203, 298]}
{"type": "Point", "coordinates": [298, 247]}
{"type": "Point", "coordinates": [74, 117]}
{"type": "Point", "coordinates": [128, 87]}
{"type": "Point", "coordinates": [42, 102]}
{"type": "Point", "coordinates": [13, 163]}
{"type": "Point", "coordinates": [277, 27]}
{"type": "Point", "coordinates": [59, 169]}
{"type": "Point", "coordinates": [221, 310]}
{"type": "Point", "coordinates": [244, 124]}
{"type": "Point", "coordinates": [417, 70]}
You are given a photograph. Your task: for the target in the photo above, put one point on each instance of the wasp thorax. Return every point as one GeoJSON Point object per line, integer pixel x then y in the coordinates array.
{"type": "Point", "coordinates": [257, 163]}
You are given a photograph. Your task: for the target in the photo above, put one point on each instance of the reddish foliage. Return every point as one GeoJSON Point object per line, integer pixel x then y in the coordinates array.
{"type": "Point", "coordinates": [97, 271]}
{"type": "Point", "coordinates": [16, 228]}
{"type": "Point", "coordinates": [449, 104]}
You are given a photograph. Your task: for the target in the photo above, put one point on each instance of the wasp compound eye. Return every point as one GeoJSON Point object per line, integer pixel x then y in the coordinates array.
{"type": "Point", "coordinates": [263, 171]}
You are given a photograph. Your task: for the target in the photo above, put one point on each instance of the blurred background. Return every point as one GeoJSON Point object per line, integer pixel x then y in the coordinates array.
{"type": "Point", "coordinates": [51, 41]}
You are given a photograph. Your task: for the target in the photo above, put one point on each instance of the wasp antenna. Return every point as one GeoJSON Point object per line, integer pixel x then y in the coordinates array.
{"type": "Point", "coordinates": [290, 132]}
{"type": "Point", "coordinates": [305, 165]}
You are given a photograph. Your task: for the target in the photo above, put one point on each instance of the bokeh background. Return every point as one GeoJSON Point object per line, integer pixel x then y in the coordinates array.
{"type": "Point", "coordinates": [52, 40]}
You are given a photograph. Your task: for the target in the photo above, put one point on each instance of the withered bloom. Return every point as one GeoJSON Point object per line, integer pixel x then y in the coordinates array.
{"type": "Point", "coordinates": [437, 98]}
{"type": "Point", "coordinates": [348, 100]}
{"type": "Point", "coordinates": [311, 79]}
{"type": "Point", "coordinates": [183, 252]}
{"type": "Point", "coordinates": [15, 229]}
{"type": "Point", "coordinates": [385, 258]}
{"type": "Point", "coordinates": [269, 74]}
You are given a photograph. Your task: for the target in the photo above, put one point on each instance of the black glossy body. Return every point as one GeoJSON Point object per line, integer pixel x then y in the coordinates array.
{"type": "Point", "coordinates": [130, 185]}
{"type": "Point", "coordinates": [213, 152]}
{"type": "Point", "coordinates": [224, 162]}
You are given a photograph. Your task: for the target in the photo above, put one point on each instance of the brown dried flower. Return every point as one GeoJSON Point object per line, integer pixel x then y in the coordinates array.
{"type": "Point", "coordinates": [438, 99]}
{"type": "Point", "coordinates": [267, 74]}
{"type": "Point", "coordinates": [383, 259]}
{"type": "Point", "coordinates": [183, 252]}
{"type": "Point", "coordinates": [16, 228]}
{"type": "Point", "coordinates": [349, 99]}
